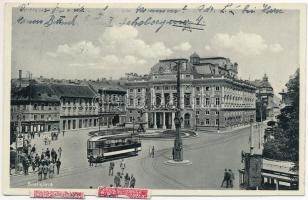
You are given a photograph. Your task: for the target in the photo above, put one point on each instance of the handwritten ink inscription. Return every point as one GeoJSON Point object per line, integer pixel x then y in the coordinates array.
{"type": "Point", "coordinates": [187, 18]}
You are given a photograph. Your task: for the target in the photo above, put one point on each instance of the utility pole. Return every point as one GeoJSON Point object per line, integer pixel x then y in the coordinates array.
{"type": "Point", "coordinates": [100, 111]}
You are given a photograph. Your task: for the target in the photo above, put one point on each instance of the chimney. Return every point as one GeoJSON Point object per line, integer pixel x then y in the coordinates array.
{"type": "Point", "coordinates": [20, 76]}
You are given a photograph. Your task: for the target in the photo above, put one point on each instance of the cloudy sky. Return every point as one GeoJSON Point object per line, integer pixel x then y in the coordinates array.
{"type": "Point", "coordinates": [260, 43]}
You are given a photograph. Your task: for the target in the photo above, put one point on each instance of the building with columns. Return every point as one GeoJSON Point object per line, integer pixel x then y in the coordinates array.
{"type": "Point", "coordinates": [212, 96]}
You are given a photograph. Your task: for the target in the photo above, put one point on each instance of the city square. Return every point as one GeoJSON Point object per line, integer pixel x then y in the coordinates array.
{"type": "Point", "coordinates": [206, 168]}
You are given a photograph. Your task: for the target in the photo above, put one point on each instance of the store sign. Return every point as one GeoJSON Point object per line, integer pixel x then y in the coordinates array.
{"type": "Point", "coordinates": [20, 142]}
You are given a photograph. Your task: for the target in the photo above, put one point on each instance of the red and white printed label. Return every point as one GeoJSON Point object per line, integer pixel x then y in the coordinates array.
{"type": "Point", "coordinates": [117, 192]}
{"type": "Point", "coordinates": [56, 194]}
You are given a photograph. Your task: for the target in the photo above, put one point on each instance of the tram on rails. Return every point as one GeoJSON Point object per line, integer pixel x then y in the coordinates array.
{"type": "Point", "coordinates": [112, 147]}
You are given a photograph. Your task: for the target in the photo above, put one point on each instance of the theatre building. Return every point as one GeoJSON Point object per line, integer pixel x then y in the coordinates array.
{"type": "Point", "coordinates": [212, 97]}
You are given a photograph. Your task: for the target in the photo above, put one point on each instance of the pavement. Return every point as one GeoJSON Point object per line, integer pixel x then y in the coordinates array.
{"type": "Point", "coordinates": [210, 154]}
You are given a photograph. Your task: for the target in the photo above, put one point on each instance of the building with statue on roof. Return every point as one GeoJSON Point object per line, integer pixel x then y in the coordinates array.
{"type": "Point", "coordinates": [212, 96]}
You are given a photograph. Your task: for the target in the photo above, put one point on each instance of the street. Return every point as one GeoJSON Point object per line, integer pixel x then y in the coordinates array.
{"type": "Point", "coordinates": [210, 154]}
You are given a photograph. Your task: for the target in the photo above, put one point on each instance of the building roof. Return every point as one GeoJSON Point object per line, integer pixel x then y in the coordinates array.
{"type": "Point", "coordinates": [114, 86]}
{"type": "Point", "coordinates": [195, 55]}
{"type": "Point", "coordinates": [169, 66]}
{"type": "Point", "coordinates": [261, 84]}
{"type": "Point", "coordinates": [72, 90]}
{"type": "Point", "coordinates": [34, 92]}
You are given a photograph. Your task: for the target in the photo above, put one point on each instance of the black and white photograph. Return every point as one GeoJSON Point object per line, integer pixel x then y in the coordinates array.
{"type": "Point", "coordinates": [203, 97]}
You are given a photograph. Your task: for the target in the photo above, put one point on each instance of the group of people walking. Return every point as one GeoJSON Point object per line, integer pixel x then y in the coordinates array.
{"type": "Point", "coordinates": [228, 179]}
{"type": "Point", "coordinates": [119, 179]}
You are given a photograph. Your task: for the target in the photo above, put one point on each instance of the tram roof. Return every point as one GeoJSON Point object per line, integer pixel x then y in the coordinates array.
{"type": "Point", "coordinates": [106, 137]}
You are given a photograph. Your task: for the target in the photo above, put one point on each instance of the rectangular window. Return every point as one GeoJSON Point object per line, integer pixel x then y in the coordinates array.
{"type": "Point", "coordinates": [80, 123]}
{"type": "Point", "coordinates": [217, 122]}
{"type": "Point", "coordinates": [94, 122]}
{"type": "Point", "coordinates": [217, 88]}
{"type": "Point", "coordinates": [198, 89]}
{"type": "Point", "coordinates": [207, 88]}
{"type": "Point", "coordinates": [139, 90]}
{"type": "Point", "coordinates": [85, 123]}
{"type": "Point", "coordinates": [187, 99]}
{"type": "Point", "coordinates": [131, 90]}
{"type": "Point", "coordinates": [90, 122]}
{"type": "Point", "coordinates": [131, 102]}
{"type": "Point", "coordinates": [69, 124]}
{"type": "Point", "coordinates": [74, 124]}
{"type": "Point", "coordinates": [130, 119]}
{"type": "Point", "coordinates": [217, 101]}
{"type": "Point", "coordinates": [42, 107]}
{"type": "Point", "coordinates": [42, 116]}
{"type": "Point", "coordinates": [207, 121]}
{"type": "Point", "coordinates": [197, 112]}
{"type": "Point", "coordinates": [198, 101]}
{"type": "Point", "coordinates": [216, 112]}
{"type": "Point", "coordinates": [207, 101]}
{"type": "Point", "coordinates": [64, 124]}
{"type": "Point", "coordinates": [197, 121]}
{"type": "Point", "coordinates": [35, 117]}
{"type": "Point", "coordinates": [207, 112]}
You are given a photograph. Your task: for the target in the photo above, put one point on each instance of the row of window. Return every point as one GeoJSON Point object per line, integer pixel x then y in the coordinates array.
{"type": "Point", "coordinates": [72, 124]}
{"type": "Point", "coordinates": [206, 122]}
{"type": "Point", "coordinates": [186, 87]}
{"type": "Point", "coordinates": [39, 117]}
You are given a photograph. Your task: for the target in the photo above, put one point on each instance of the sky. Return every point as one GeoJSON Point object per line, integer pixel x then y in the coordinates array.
{"type": "Point", "coordinates": [95, 48]}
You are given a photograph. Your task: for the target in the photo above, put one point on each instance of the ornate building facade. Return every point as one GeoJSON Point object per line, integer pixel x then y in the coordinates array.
{"type": "Point", "coordinates": [211, 95]}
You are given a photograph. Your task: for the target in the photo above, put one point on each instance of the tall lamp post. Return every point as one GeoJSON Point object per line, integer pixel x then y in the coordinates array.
{"type": "Point", "coordinates": [178, 145]}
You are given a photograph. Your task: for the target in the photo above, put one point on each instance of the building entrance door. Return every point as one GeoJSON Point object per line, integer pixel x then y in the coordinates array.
{"type": "Point", "coordinates": [187, 120]}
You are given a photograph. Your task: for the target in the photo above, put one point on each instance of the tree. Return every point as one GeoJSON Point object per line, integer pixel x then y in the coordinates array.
{"type": "Point", "coordinates": [285, 145]}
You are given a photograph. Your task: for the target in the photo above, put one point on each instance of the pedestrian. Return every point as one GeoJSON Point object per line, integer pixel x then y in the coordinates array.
{"type": "Point", "coordinates": [173, 153]}
{"type": "Point", "coordinates": [45, 140]}
{"type": "Point", "coordinates": [117, 180]}
{"type": "Point", "coordinates": [150, 152]}
{"type": "Point", "coordinates": [52, 153]}
{"type": "Point", "coordinates": [56, 156]}
{"type": "Point", "coordinates": [91, 159]}
{"type": "Point", "coordinates": [132, 181]}
{"type": "Point", "coordinates": [33, 150]}
{"type": "Point", "coordinates": [40, 172]}
{"type": "Point", "coordinates": [63, 132]}
{"type": "Point", "coordinates": [126, 180]}
{"type": "Point", "coordinates": [51, 169]}
{"type": "Point", "coordinates": [47, 153]}
{"type": "Point", "coordinates": [25, 165]}
{"type": "Point", "coordinates": [60, 152]}
{"type": "Point", "coordinates": [122, 166]}
{"type": "Point", "coordinates": [111, 166]}
{"type": "Point", "coordinates": [45, 171]}
{"type": "Point", "coordinates": [153, 150]}
{"type": "Point", "coordinates": [58, 164]}
{"type": "Point", "coordinates": [226, 179]}
{"type": "Point", "coordinates": [42, 155]}
{"type": "Point", "coordinates": [231, 178]}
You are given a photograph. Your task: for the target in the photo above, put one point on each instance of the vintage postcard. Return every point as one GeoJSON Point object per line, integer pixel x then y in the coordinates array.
{"type": "Point", "coordinates": [181, 99]}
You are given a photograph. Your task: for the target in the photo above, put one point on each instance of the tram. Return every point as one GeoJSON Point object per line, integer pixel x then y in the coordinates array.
{"type": "Point", "coordinates": [112, 147]}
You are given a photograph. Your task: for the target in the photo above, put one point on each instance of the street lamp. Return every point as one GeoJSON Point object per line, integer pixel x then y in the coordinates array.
{"type": "Point", "coordinates": [178, 145]}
